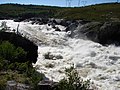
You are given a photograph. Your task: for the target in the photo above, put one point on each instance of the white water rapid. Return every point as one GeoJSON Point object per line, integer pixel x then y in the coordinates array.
{"type": "Point", "coordinates": [92, 60]}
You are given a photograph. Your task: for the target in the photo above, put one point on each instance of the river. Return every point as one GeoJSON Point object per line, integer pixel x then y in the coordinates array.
{"type": "Point", "coordinates": [57, 51]}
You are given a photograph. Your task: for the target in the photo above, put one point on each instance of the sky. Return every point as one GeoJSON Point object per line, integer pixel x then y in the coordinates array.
{"type": "Point", "coordinates": [62, 3]}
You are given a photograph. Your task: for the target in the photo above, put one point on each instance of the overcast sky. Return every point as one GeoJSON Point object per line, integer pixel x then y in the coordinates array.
{"type": "Point", "coordinates": [62, 3]}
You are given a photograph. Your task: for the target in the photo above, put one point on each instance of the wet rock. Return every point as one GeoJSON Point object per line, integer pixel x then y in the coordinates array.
{"type": "Point", "coordinates": [47, 55]}
{"type": "Point", "coordinates": [117, 78]}
{"type": "Point", "coordinates": [91, 65]}
{"type": "Point", "coordinates": [57, 29]}
{"type": "Point", "coordinates": [58, 57]}
{"type": "Point", "coordinates": [51, 56]}
{"type": "Point", "coordinates": [114, 57]}
{"type": "Point", "coordinates": [19, 19]}
{"type": "Point", "coordinates": [78, 65]}
{"type": "Point", "coordinates": [49, 65]}
{"type": "Point", "coordinates": [104, 33]}
{"type": "Point", "coordinates": [90, 30]}
{"type": "Point", "coordinates": [83, 21]}
{"type": "Point", "coordinates": [111, 70]}
{"type": "Point", "coordinates": [68, 22]}
{"type": "Point", "coordinates": [53, 25]}
{"type": "Point", "coordinates": [21, 86]}
{"type": "Point", "coordinates": [39, 21]}
{"type": "Point", "coordinates": [11, 85]}
{"type": "Point", "coordinates": [101, 77]}
{"type": "Point", "coordinates": [92, 54]}
{"type": "Point", "coordinates": [33, 22]}
{"type": "Point", "coordinates": [58, 21]}
{"type": "Point", "coordinates": [64, 23]}
{"type": "Point", "coordinates": [110, 33]}
{"type": "Point", "coordinates": [72, 27]}
{"type": "Point", "coordinates": [46, 85]}
{"type": "Point", "coordinates": [45, 20]}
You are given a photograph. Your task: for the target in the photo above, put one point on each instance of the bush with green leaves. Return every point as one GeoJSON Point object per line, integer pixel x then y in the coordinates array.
{"type": "Point", "coordinates": [9, 52]}
{"type": "Point", "coordinates": [73, 81]}
{"type": "Point", "coordinates": [15, 66]}
{"type": "Point", "coordinates": [2, 63]}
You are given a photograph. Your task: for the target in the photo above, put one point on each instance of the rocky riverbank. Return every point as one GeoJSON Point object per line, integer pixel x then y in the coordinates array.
{"type": "Point", "coordinates": [101, 32]}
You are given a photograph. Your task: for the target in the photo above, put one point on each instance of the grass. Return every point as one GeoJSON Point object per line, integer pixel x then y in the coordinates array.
{"type": "Point", "coordinates": [99, 12]}
{"type": "Point", "coordinates": [11, 75]}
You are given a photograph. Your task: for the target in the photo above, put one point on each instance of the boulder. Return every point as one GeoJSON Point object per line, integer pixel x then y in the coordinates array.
{"type": "Point", "coordinates": [72, 27]}
{"type": "Point", "coordinates": [58, 21]}
{"type": "Point", "coordinates": [11, 85]}
{"type": "Point", "coordinates": [19, 19]}
{"type": "Point", "coordinates": [51, 56]}
{"type": "Point", "coordinates": [44, 20]}
{"type": "Point", "coordinates": [83, 21]}
{"type": "Point", "coordinates": [57, 29]}
{"type": "Point", "coordinates": [103, 33]}
{"type": "Point", "coordinates": [109, 33]}
{"type": "Point", "coordinates": [46, 85]}
{"type": "Point", "coordinates": [89, 30]}
{"type": "Point", "coordinates": [114, 57]}
{"type": "Point", "coordinates": [64, 23]}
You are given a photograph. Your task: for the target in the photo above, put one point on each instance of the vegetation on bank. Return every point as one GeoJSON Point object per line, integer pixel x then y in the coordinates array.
{"type": "Point", "coordinates": [13, 67]}
{"type": "Point", "coordinates": [73, 81]}
{"type": "Point", "coordinates": [26, 11]}
{"type": "Point", "coordinates": [100, 12]}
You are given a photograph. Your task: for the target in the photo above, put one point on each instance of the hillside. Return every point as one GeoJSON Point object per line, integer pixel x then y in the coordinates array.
{"type": "Point", "coordinates": [26, 11]}
{"type": "Point", "coordinates": [100, 12]}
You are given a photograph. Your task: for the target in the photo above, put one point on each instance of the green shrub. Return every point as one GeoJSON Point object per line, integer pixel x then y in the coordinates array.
{"type": "Point", "coordinates": [9, 52]}
{"type": "Point", "coordinates": [23, 67]}
{"type": "Point", "coordinates": [1, 63]}
{"type": "Point", "coordinates": [72, 82]}
{"type": "Point", "coordinates": [20, 54]}
{"type": "Point", "coordinates": [36, 78]}
{"type": "Point", "coordinates": [15, 66]}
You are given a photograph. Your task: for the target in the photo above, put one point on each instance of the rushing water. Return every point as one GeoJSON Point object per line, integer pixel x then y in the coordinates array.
{"type": "Point", "coordinates": [92, 60]}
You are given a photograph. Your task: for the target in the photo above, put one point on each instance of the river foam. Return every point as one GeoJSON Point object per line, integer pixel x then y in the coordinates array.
{"type": "Point", "coordinates": [57, 51]}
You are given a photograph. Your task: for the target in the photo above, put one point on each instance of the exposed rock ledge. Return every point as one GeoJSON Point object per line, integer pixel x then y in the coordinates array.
{"type": "Point", "coordinates": [104, 33]}
{"type": "Point", "coordinates": [101, 32]}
